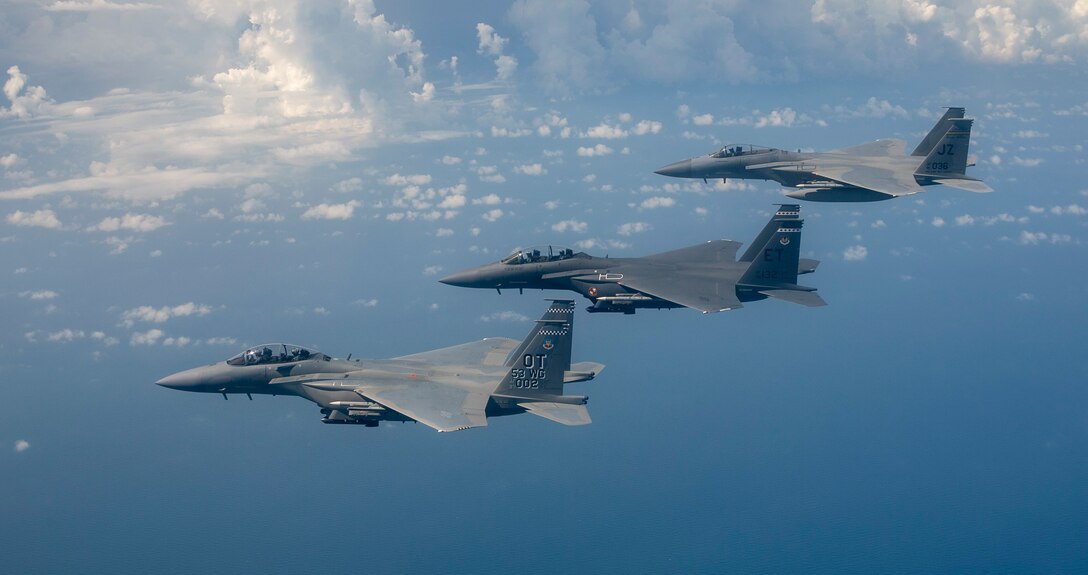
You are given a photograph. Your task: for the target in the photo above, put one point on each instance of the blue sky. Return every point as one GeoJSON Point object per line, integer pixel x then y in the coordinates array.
{"type": "Point", "coordinates": [183, 179]}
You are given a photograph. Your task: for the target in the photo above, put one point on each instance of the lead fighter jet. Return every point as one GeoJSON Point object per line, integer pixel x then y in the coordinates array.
{"type": "Point", "coordinates": [707, 277]}
{"type": "Point", "coordinates": [449, 389]}
{"type": "Point", "coordinates": [870, 172]}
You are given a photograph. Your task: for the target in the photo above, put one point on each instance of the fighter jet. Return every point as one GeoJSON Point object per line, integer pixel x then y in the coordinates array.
{"type": "Point", "coordinates": [870, 172]}
{"type": "Point", "coordinates": [707, 277]}
{"type": "Point", "coordinates": [448, 389]}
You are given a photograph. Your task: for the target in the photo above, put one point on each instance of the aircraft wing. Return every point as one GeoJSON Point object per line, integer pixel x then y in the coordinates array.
{"type": "Point", "coordinates": [885, 180]}
{"type": "Point", "coordinates": [709, 252]}
{"type": "Point", "coordinates": [564, 413]}
{"type": "Point", "coordinates": [971, 185]}
{"type": "Point", "coordinates": [489, 351]}
{"type": "Point", "coordinates": [707, 295]}
{"type": "Point", "coordinates": [876, 149]}
{"type": "Point", "coordinates": [441, 406]}
{"type": "Point", "coordinates": [805, 298]}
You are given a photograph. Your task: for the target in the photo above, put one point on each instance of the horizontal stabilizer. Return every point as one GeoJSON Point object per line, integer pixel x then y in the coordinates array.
{"type": "Point", "coordinates": [977, 186]}
{"type": "Point", "coordinates": [807, 266]}
{"type": "Point", "coordinates": [805, 298]}
{"type": "Point", "coordinates": [564, 413]}
{"type": "Point", "coordinates": [582, 371]}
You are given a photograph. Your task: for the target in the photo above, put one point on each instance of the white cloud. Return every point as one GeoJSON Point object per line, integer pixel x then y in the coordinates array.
{"type": "Point", "coordinates": [531, 170]}
{"type": "Point", "coordinates": [1026, 162]}
{"type": "Point", "coordinates": [703, 120]}
{"type": "Point", "coordinates": [452, 202]}
{"type": "Point", "coordinates": [344, 211]}
{"type": "Point", "coordinates": [570, 226]}
{"type": "Point", "coordinates": [38, 219]}
{"type": "Point", "coordinates": [598, 150]}
{"type": "Point", "coordinates": [490, 43]}
{"type": "Point", "coordinates": [657, 202]}
{"type": "Point", "coordinates": [632, 228]}
{"type": "Point", "coordinates": [66, 335]}
{"type": "Point", "coordinates": [490, 174]}
{"type": "Point", "coordinates": [130, 222]}
{"type": "Point", "coordinates": [497, 132]}
{"type": "Point", "coordinates": [855, 253]}
{"type": "Point", "coordinates": [146, 313]}
{"type": "Point", "coordinates": [938, 221]}
{"type": "Point", "coordinates": [604, 131]}
{"type": "Point", "coordinates": [432, 270]}
{"type": "Point", "coordinates": [511, 316]}
{"type": "Point", "coordinates": [409, 180]}
{"type": "Point", "coordinates": [39, 295]}
{"type": "Point", "coordinates": [1035, 238]}
{"type": "Point", "coordinates": [347, 186]}
{"type": "Point", "coordinates": [647, 127]}
{"type": "Point", "coordinates": [149, 337]}
{"type": "Point", "coordinates": [488, 200]}
{"type": "Point", "coordinates": [21, 445]}
{"type": "Point", "coordinates": [10, 161]}
{"type": "Point", "coordinates": [372, 302]}
{"type": "Point", "coordinates": [777, 118]}
{"type": "Point", "coordinates": [493, 215]}
{"type": "Point", "coordinates": [451, 160]}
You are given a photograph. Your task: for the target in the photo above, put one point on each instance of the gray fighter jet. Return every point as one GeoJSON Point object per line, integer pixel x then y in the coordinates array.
{"type": "Point", "coordinates": [449, 389]}
{"type": "Point", "coordinates": [707, 277]}
{"type": "Point", "coordinates": [870, 172]}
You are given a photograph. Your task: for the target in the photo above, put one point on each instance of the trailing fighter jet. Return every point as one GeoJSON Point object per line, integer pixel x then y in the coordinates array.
{"type": "Point", "coordinates": [707, 277]}
{"type": "Point", "coordinates": [870, 172]}
{"type": "Point", "coordinates": [449, 389]}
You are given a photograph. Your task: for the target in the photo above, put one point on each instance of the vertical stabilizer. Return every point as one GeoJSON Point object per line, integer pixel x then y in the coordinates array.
{"type": "Point", "coordinates": [948, 158]}
{"type": "Point", "coordinates": [776, 261]}
{"type": "Point", "coordinates": [538, 364]}
{"type": "Point", "coordinates": [785, 212]}
{"type": "Point", "coordinates": [937, 132]}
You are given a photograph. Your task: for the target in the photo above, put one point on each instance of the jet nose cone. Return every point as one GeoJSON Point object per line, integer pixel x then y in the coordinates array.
{"type": "Point", "coordinates": [461, 279]}
{"type": "Point", "coordinates": [681, 169]}
{"type": "Point", "coordinates": [182, 380]}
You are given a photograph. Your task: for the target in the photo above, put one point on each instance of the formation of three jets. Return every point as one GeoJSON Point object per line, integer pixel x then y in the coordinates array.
{"type": "Point", "coordinates": [459, 387]}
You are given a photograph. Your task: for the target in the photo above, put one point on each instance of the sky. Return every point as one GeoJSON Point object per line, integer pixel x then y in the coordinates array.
{"type": "Point", "coordinates": [182, 179]}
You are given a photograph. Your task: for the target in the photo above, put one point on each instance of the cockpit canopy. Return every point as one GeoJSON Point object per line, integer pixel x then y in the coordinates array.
{"type": "Point", "coordinates": [538, 254]}
{"type": "Point", "coordinates": [274, 353]}
{"type": "Point", "coordinates": [735, 150]}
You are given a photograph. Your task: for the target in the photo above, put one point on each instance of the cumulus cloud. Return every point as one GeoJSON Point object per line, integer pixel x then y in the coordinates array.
{"type": "Point", "coordinates": [570, 226]}
{"type": "Point", "coordinates": [39, 295]}
{"type": "Point", "coordinates": [657, 202]}
{"type": "Point", "coordinates": [130, 222]}
{"type": "Point", "coordinates": [493, 215]}
{"type": "Point", "coordinates": [531, 170]}
{"type": "Point", "coordinates": [36, 219]}
{"type": "Point", "coordinates": [488, 200]}
{"type": "Point", "coordinates": [21, 445]}
{"type": "Point", "coordinates": [855, 253]}
{"type": "Point", "coordinates": [632, 228]}
{"type": "Point", "coordinates": [409, 180]}
{"type": "Point", "coordinates": [149, 314]}
{"type": "Point", "coordinates": [598, 150]}
{"type": "Point", "coordinates": [511, 316]}
{"type": "Point", "coordinates": [490, 43]}
{"type": "Point", "coordinates": [149, 337]}
{"type": "Point", "coordinates": [344, 211]}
